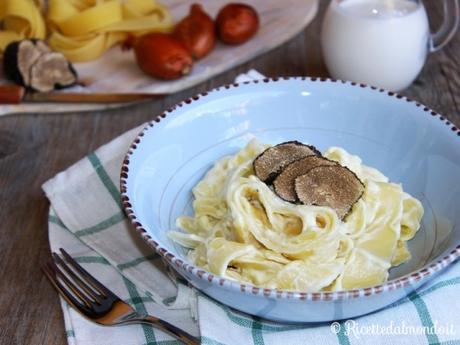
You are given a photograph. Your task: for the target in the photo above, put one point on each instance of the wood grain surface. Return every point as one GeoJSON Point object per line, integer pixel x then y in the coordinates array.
{"type": "Point", "coordinates": [33, 148]}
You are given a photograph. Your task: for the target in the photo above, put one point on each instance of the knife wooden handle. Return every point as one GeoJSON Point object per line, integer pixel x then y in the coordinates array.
{"type": "Point", "coordinates": [14, 94]}
{"type": "Point", "coordinates": [11, 94]}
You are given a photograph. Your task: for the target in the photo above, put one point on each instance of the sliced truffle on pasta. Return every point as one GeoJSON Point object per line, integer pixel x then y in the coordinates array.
{"type": "Point", "coordinates": [332, 186]}
{"type": "Point", "coordinates": [284, 183]}
{"type": "Point", "coordinates": [272, 161]}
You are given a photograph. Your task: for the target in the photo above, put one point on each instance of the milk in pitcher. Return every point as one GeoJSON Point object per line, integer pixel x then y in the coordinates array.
{"type": "Point", "coordinates": [378, 42]}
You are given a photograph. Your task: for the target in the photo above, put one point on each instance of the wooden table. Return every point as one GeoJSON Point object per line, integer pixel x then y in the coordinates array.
{"type": "Point", "coordinates": [33, 148]}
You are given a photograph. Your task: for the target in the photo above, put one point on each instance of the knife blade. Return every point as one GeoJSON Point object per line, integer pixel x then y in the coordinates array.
{"type": "Point", "coordinates": [13, 94]}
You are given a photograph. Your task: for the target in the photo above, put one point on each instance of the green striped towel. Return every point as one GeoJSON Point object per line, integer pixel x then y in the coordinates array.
{"type": "Point", "coordinates": [87, 220]}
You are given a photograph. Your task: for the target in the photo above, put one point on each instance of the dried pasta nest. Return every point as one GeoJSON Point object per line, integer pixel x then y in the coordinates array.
{"type": "Point", "coordinates": [272, 161]}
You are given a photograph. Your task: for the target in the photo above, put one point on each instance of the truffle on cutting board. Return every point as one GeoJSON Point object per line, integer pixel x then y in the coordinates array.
{"type": "Point", "coordinates": [32, 64]}
{"type": "Point", "coordinates": [18, 58]}
{"type": "Point", "coordinates": [271, 162]}
{"type": "Point", "coordinates": [52, 71]}
{"type": "Point", "coordinates": [284, 183]}
{"type": "Point", "coordinates": [334, 186]}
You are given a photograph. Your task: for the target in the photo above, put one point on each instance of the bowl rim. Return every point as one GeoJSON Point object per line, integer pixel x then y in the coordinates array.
{"type": "Point", "coordinates": [409, 279]}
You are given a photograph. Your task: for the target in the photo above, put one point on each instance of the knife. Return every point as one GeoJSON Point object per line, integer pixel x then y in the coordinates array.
{"type": "Point", "coordinates": [13, 94]}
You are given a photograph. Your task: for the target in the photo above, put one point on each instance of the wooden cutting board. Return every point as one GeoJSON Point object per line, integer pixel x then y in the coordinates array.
{"type": "Point", "coordinates": [117, 72]}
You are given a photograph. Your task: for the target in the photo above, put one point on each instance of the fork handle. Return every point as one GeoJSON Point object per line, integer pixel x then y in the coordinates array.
{"type": "Point", "coordinates": [172, 330]}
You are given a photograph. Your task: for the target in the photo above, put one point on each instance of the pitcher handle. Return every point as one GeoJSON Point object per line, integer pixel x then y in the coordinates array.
{"type": "Point", "coordinates": [449, 25]}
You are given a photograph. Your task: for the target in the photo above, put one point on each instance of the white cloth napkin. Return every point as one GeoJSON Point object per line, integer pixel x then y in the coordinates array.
{"type": "Point", "coordinates": [87, 220]}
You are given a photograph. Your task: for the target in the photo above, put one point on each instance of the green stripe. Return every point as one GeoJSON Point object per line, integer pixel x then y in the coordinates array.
{"type": "Point", "coordinates": [450, 282]}
{"type": "Point", "coordinates": [342, 335]}
{"type": "Point", "coordinates": [137, 261]}
{"type": "Point", "coordinates": [104, 225]}
{"type": "Point", "coordinates": [209, 341]}
{"type": "Point", "coordinates": [91, 260]}
{"type": "Point", "coordinates": [105, 178]}
{"type": "Point", "coordinates": [56, 220]}
{"type": "Point", "coordinates": [70, 333]}
{"type": "Point", "coordinates": [257, 336]}
{"type": "Point", "coordinates": [169, 300]}
{"type": "Point", "coordinates": [425, 316]}
{"type": "Point", "coordinates": [103, 261]}
{"type": "Point", "coordinates": [140, 308]}
{"type": "Point", "coordinates": [248, 322]}
{"type": "Point", "coordinates": [138, 300]}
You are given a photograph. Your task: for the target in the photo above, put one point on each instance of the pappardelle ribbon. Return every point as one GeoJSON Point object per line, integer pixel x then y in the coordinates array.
{"type": "Point", "coordinates": [82, 29]}
{"type": "Point", "coordinates": [20, 19]}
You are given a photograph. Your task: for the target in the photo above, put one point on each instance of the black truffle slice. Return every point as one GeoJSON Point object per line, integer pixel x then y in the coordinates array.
{"type": "Point", "coordinates": [284, 183]}
{"type": "Point", "coordinates": [41, 46]}
{"type": "Point", "coordinates": [270, 162]}
{"type": "Point", "coordinates": [52, 71]}
{"type": "Point", "coordinates": [333, 186]}
{"type": "Point", "coordinates": [18, 57]}
{"type": "Point", "coordinates": [31, 63]}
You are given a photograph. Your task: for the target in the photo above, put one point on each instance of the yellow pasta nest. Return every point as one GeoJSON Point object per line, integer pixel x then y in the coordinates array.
{"type": "Point", "coordinates": [82, 29]}
{"type": "Point", "coordinates": [21, 19]}
{"type": "Point", "coordinates": [243, 231]}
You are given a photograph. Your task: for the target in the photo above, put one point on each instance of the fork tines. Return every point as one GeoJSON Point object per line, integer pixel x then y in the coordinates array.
{"type": "Point", "coordinates": [78, 287]}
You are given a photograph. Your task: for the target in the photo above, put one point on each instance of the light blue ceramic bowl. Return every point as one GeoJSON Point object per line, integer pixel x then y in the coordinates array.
{"type": "Point", "coordinates": [405, 140]}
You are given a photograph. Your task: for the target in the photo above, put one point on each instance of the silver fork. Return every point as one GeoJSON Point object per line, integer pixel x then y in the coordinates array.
{"type": "Point", "coordinates": [97, 303]}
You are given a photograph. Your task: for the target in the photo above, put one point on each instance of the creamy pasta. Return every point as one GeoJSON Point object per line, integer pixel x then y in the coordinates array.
{"type": "Point", "coordinates": [242, 231]}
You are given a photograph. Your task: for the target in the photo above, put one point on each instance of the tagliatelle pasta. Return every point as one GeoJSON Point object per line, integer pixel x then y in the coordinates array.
{"type": "Point", "coordinates": [84, 29]}
{"type": "Point", "coordinates": [243, 231]}
{"type": "Point", "coordinates": [20, 19]}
